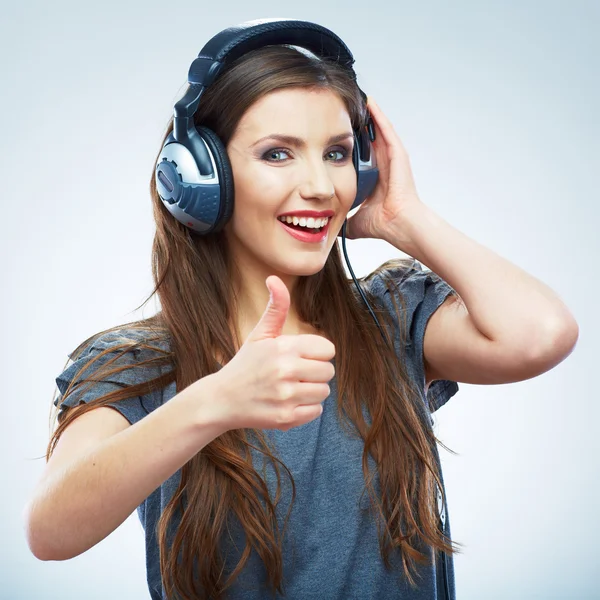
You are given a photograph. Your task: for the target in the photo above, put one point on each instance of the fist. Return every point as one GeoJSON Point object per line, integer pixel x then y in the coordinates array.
{"type": "Point", "coordinates": [276, 381]}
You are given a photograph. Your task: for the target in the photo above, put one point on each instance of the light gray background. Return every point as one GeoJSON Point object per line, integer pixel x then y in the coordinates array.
{"type": "Point", "coordinates": [497, 105]}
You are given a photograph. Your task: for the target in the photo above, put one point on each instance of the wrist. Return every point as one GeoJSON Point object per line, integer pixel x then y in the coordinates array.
{"type": "Point", "coordinates": [403, 231]}
{"type": "Point", "coordinates": [205, 400]}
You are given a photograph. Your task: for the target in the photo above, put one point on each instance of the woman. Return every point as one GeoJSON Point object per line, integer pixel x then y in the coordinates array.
{"type": "Point", "coordinates": [263, 356]}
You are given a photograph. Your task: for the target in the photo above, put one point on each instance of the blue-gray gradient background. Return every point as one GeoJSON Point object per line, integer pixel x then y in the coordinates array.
{"type": "Point", "coordinates": [497, 105]}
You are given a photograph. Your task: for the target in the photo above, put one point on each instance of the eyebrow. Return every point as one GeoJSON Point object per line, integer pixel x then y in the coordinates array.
{"type": "Point", "coordinates": [290, 139]}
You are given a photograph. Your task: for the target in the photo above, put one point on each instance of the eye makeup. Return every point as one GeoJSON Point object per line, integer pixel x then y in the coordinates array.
{"type": "Point", "coordinates": [342, 150]}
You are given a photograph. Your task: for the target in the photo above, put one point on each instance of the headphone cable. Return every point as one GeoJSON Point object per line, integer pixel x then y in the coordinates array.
{"type": "Point", "coordinates": [442, 513]}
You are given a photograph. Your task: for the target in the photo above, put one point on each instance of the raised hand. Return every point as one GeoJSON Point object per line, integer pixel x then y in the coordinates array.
{"type": "Point", "coordinates": [276, 381]}
{"type": "Point", "coordinates": [395, 191]}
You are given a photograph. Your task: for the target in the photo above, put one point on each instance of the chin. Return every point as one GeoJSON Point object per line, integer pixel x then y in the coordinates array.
{"type": "Point", "coordinates": [304, 268]}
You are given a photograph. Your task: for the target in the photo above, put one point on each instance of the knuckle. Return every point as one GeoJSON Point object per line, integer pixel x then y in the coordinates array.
{"type": "Point", "coordinates": [285, 415]}
{"type": "Point", "coordinates": [285, 369]}
{"type": "Point", "coordinates": [331, 349]}
{"type": "Point", "coordinates": [285, 391]}
{"type": "Point", "coordinates": [282, 344]}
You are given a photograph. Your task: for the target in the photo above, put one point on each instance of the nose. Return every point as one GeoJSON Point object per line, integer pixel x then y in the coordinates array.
{"type": "Point", "coordinates": [316, 181]}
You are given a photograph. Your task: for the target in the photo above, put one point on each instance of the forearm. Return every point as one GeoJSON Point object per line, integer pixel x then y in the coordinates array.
{"type": "Point", "coordinates": [506, 304]}
{"type": "Point", "coordinates": [82, 503]}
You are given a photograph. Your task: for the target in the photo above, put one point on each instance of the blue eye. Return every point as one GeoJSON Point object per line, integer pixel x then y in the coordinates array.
{"type": "Point", "coordinates": [343, 152]}
{"type": "Point", "coordinates": [272, 152]}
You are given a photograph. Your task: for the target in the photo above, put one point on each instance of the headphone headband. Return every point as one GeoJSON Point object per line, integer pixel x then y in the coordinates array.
{"type": "Point", "coordinates": [229, 44]}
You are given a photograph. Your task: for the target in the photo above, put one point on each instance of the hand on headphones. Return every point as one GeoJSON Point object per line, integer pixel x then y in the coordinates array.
{"type": "Point", "coordinates": [395, 189]}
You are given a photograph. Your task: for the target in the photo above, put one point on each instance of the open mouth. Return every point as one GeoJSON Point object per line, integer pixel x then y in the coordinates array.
{"type": "Point", "coordinates": [306, 229]}
{"type": "Point", "coordinates": [309, 225]}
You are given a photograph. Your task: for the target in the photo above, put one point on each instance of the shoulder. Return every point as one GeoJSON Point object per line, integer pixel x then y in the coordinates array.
{"type": "Point", "coordinates": [391, 273]}
{"type": "Point", "coordinates": [403, 284]}
{"type": "Point", "coordinates": [131, 355]}
{"type": "Point", "coordinates": [112, 360]}
{"type": "Point", "coordinates": [123, 340]}
{"type": "Point", "coordinates": [411, 295]}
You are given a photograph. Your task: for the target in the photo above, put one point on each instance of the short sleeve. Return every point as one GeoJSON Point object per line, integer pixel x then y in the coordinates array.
{"type": "Point", "coordinates": [422, 292]}
{"type": "Point", "coordinates": [133, 409]}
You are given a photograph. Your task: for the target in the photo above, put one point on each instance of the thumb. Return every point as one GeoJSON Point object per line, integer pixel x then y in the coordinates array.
{"type": "Point", "coordinates": [273, 319]}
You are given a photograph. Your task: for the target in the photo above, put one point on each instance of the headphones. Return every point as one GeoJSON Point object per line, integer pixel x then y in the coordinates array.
{"type": "Point", "coordinates": [193, 174]}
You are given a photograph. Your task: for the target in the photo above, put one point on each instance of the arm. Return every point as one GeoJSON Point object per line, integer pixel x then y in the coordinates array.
{"type": "Point", "coordinates": [85, 498]}
{"type": "Point", "coordinates": [507, 325]}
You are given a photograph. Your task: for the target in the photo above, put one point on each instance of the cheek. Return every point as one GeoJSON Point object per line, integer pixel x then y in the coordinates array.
{"type": "Point", "coordinates": [253, 202]}
{"type": "Point", "coordinates": [346, 189]}
{"type": "Point", "coordinates": [252, 182]}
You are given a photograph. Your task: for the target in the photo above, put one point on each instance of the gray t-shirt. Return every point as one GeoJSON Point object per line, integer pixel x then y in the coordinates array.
{"type": "Point", "coordinates": [330, 546]}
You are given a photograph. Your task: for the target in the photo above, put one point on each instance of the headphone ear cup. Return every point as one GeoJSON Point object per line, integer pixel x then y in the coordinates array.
{"type": "Point", "coordinates": [367, 172]}
{"type": "Point", "coordinates": [224, 172]}
{"type": "Point", "coordinates": [355, 153]}
{"type": "Point", "coordinates": [356, 162]}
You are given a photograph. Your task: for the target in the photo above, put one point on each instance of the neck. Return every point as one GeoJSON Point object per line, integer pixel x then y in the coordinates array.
{"type": "Point", "coordinates": [252, 297]}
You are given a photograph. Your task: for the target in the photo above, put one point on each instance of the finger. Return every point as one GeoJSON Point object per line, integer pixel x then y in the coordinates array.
{"type": "Point", "coordinates": [308, 345]}
{"type": "Point", "coordinates": [273, 319]}
{"type": "Point", "coordinates": [312, 393]}
{"type": "Point", "coordinates": [312, 371]}
{"type": "Point", "coordinates": [305, 414]}
{"type": "Point", "coordinates": [385, 126]}
{"type": "Point", "coordinates": [303, 393]}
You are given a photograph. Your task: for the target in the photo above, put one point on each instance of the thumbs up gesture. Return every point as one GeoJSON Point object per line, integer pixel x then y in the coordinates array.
{"type": "Point", "coordinates": [276, 381]}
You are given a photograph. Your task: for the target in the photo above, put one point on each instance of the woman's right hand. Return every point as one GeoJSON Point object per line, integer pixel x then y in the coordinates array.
{"type": "Point", "coordinates": [276, 381]}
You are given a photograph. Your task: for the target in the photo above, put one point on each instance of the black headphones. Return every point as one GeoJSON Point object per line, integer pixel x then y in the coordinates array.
{"type": "Point", "coordinates": [193, 173]}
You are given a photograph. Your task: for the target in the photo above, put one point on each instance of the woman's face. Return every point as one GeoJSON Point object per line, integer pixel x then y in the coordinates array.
{"type": "Point", "coordinates": [276, 175]}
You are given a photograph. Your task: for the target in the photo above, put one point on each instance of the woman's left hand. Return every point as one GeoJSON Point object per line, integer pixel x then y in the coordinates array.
{"type": "Point", "coordinates": [395, 189]}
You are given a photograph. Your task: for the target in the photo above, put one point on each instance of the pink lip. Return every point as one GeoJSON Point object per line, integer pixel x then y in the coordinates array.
{"type": "Point", "coordinates": [309, 213]}
{"type": "Point", "coordinates": [305, 236]}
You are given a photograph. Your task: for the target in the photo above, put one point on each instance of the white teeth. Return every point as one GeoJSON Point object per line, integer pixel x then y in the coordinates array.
{"type": "Point", "coordinates": [305, 222]}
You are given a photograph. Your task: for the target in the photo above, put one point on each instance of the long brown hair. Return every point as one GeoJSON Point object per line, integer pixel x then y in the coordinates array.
{"type": "Point", "coordinates": [192, 276]}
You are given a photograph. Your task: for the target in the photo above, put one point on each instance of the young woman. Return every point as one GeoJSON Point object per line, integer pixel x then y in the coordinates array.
{"type": "Point", "coordinates": [270, 437]}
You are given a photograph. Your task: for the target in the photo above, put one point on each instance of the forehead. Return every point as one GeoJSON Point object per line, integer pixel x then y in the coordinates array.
{"type": "Point", "coordinates": [295, 111]}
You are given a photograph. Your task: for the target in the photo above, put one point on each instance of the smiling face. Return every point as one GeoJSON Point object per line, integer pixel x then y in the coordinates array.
{"type": "Point", "coordinates": [275, 176]}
